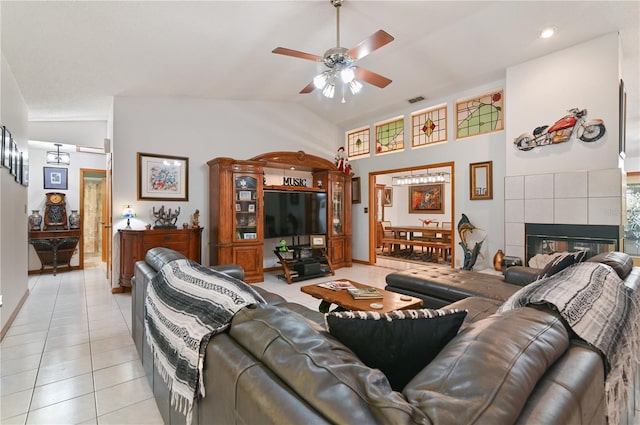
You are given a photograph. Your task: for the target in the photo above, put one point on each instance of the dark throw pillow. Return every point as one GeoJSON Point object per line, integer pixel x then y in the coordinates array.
{"type": "Point", "coordinates": [400, 343]}
{"type": "Point", "coordinates": [561, 262]}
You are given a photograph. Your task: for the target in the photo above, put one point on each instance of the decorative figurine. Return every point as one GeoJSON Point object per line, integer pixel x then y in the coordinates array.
{"type": "Point", "coordinates": [470, 256]}
{"type": "Point", "coordinates": [283, 246]}
{"type": "Point", "coordinates": [195, 223]}
{"type": "Point", "coordinates": [165, 220]}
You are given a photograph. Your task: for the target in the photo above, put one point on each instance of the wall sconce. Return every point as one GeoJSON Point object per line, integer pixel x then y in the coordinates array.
{"type": "Point", "coordinates": [128, 212]}
{"type": "Point", "coordinates": [58, 158]}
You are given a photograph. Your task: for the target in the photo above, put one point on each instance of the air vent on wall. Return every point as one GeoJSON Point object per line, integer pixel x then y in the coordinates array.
{"type": "Point", "coordinates": [416, 99]}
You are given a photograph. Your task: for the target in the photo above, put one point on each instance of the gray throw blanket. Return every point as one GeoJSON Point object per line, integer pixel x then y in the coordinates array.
{"type": "Point", "coordinates": [186, 305]}
{"type": "Point", "coordinates": [601, 310]}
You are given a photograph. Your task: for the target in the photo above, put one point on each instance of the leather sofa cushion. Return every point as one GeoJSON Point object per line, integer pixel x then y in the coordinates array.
{"type": "Point", "coordinates": [521, 275]}
{"type": "Point", "coordinates": [486, 373]}
{"type": "Point", "coordinates": [621, 262]}
{"type": "Point", "coordinates": [477, 308]}
{"type": "Point", "coordinates": [158, 257]}
{"type": "Point", "coordinates": [451, 284]}
{"type": "Point", "coordinates": [320, 369]}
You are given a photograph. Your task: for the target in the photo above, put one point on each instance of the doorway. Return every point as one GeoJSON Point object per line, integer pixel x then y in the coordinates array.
{"type": "Point", "coordinates": [92, 217]}
{"type": "Point", "coordinates": [390, 194]}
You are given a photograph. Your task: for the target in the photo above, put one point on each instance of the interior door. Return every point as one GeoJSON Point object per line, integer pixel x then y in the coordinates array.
{"type": "Point", "coordinates": [107, 236]}
{"type": "Point", "coordinates": [379, 213]}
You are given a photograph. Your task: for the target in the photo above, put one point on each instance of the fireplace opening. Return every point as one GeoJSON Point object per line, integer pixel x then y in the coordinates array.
{"type": "Point", "coordinates": [549, 238]}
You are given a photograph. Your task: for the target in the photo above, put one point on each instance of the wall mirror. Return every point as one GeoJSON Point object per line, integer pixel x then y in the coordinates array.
{"type": "Point", "coordinates": [481, 180]}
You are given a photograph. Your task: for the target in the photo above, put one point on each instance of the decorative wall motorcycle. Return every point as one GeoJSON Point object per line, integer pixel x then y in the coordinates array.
{"type": "Point", "coordinates": [562, 130]}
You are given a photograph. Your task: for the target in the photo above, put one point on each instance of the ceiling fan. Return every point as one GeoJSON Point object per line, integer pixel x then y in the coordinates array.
{"type": "Point", "coordinates": [341, 62]}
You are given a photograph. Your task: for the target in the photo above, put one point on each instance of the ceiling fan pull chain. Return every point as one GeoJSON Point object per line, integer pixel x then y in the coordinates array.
{"type": "Point", "coordinates": [337, 4]}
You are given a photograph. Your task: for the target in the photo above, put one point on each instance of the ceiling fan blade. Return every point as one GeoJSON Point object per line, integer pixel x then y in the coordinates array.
{"type": "Point", "coordinates": [308, 89]}
{"type": "Point", "coordinates": [297, 54]}
{"type": "Point", "coordinates": [374, 42]}
{"type": "Point", "coordinates": [372, 78]}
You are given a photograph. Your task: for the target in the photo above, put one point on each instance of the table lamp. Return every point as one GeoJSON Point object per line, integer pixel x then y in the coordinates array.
{"type": "Point", "coordinates": [128, 213]}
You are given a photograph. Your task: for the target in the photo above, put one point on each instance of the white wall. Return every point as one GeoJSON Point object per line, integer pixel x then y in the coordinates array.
{"type": "Point", "coordinates": [80, 133]}
{"type": "Point", "coordinates": [201, 130]}
{"type": "Point", "coordinates": [485, 214]}
{"type": "Point", "coordinates": [38, 160]}
{"type": "Point", "coordinates": [13, 202]}
{"type": "Point", "coordinates": [540, 92]}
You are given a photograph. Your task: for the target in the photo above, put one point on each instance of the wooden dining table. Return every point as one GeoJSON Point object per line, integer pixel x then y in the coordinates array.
{"type": "Point", "coordinates": [400, 231]}
{"type": "Point", "coordinates": [435, 239]}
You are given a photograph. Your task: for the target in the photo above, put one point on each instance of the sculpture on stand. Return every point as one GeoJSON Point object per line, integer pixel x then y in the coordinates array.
{"type": "Point", "coordinates": [470, 255]}
{"type": "Point", "coordinates": [165, 220]}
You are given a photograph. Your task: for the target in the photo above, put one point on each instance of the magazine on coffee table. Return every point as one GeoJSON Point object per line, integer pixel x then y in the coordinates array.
{"type": "Point", "coordinates": [337, 285]}
{"type": "Point", "coordinates": [365, 293]}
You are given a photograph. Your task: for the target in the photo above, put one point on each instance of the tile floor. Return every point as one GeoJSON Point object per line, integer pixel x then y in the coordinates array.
{"type": "Point", "coordinates": [68, 358]}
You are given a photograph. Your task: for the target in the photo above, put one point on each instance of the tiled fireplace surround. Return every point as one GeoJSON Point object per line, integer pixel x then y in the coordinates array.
{"type": "Point", "coordinates": [592, 197]}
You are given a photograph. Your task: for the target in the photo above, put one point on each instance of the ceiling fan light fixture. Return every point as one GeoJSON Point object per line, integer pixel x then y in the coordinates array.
{"type": "Point", "coordinates": [329, 90]}
{"type": "Point", "coordinates": [320, 80]}
{"type": "Point", "coordinates": [355, 86]}
{"type": "Point", "coordinates": [347, 75]}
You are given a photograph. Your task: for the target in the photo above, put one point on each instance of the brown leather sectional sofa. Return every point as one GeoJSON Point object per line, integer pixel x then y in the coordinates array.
{"type": "Point", "coordinates": [277, 365]}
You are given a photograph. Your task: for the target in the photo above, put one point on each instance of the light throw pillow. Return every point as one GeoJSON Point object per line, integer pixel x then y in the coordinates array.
{"type": "Point", "coordinates": [400, 343]}
{"type": "Point", "coordinates": [561, 262]}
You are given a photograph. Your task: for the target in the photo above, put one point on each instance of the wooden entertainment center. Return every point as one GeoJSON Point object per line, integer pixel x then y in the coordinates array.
{"type": "Point", "coordinates": [236, 207]}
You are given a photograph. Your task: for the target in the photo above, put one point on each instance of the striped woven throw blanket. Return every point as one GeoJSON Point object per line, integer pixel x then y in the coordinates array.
{"type": "Point", "coordinates": [601, 310]}
{"type": "Point", "coordinates": [186, 305]}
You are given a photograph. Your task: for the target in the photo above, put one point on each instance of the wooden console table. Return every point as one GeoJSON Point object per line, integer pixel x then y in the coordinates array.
{"type": "Point", "coordinates": [54, 246]}
{"type": "Point", "coordinates": [134, 245]}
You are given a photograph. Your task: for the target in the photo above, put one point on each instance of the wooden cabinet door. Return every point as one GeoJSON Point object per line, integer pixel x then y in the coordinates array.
{"type": "Point", "coordinates": [250, 259]}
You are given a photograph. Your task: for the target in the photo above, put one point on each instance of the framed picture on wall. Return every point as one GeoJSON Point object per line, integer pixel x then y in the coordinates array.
{"type": "Point", "coordinates": [481, 180]}
{"type": "Point", "coordinates": [388, 196]}
{"type": "Point", "coordinates": [355, 190]}
{"type": "Point", "coordinates": [162, 177]}
{"type": "Point", "coordinates": [426, 198]}
{"type": "Point", "coordinates": [6, 148]}
{"type": "Point", "coordinates": [55, 178]}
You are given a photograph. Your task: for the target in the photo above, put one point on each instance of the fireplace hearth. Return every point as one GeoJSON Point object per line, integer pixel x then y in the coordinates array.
{"type": "Point", "coordinates": [548, 238]}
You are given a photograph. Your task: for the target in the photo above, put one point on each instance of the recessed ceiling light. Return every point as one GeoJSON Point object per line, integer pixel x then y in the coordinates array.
{"type": "Point", "coordinates": [548, 32]}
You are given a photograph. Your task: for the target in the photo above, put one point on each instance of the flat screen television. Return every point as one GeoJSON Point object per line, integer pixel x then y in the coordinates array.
{"type": "Point", "coordinates": [294, 213]}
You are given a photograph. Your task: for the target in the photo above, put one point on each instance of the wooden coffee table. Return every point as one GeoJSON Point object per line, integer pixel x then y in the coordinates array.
{"type": "Point", "coordinates": [391, 301]}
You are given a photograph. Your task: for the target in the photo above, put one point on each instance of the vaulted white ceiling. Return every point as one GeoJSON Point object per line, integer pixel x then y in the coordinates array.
{"type": "Point", "coordinates": [70, 58]}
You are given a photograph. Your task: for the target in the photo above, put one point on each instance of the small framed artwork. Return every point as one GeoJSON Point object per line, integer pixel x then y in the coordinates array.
{"type": "Point", "coordinates": [6, 147]}
{"type": "Point", "coordinates": [244, 195]}
{"type": "Point", "coordinates": [251, 208]}
{"type": "Point", "coordinates": [238, 208]}
{"type": "Point", "coordinates": [55, 178]}
{"type": "Point", "coordinates": [317, 241]}
{"type": "Point", "coordinates": [355, 190]}
{"type": "Point", "coordinates": [426, 198]}
{"type": "Point", "coordinates": [250, 235]}
{"type": "Point", "coordinates": [480, 181]}
{"type": "Point", "coordinates": [388, 196]}
{"type": "Point", "coordinates": [19, 168]}
{"type": "Point", "coordinates": [14, 158]}
{"type": "Point", "coordinates": [25, 170]}
{"type": "Point", "coordinates": [162, 177]}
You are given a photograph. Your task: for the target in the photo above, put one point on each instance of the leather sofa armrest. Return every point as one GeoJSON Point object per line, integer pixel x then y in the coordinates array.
{"type": "Point", "coordinates": [521, 275]}
{"type": "Point", "coordinates": [232, 270]}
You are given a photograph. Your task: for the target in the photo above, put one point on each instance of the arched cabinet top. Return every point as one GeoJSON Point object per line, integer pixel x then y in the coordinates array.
{"type": "Point", "coordinates": [300, 159]}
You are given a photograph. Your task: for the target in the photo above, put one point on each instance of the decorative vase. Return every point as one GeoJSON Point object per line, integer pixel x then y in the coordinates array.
{"type": "Point", "coordinates": [74, 219]}
{"type": "Point", "coordinates": [497, 260]}
{"type": "Point", "coordinates": [35, 220]}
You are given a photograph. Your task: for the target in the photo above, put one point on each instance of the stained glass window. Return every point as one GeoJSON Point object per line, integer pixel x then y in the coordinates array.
{"type": "Point", "coordinates": [358, 142]}
{"type": "Point", "coordinates": [478, 115]}
{"type": "Point", "coordinates": [390, 136]}
{"type": "Point", "coordinates": [429, 126]}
